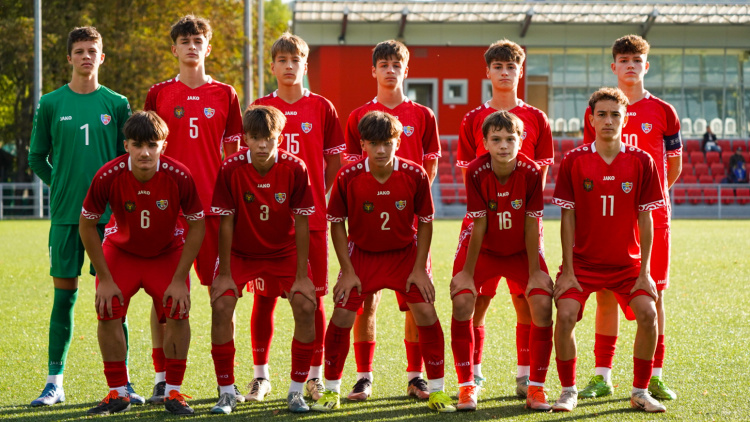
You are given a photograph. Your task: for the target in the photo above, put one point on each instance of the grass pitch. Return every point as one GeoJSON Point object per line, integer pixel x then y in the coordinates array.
{"type": "Point", "coordinates": [707, 357]}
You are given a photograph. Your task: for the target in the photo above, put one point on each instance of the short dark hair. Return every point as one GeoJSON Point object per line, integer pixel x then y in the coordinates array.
{"type": "Point", "coordinates": [390, 49]}
{"type": "Point", "coordinates": [289, 43]}
{"type": "Point", "coordinates": [377, 126]}
{"type": "Point", "coordinates": [608, 94]}
{"type": "Point", "coordinates": [502, 120]}
{"type": "Point", "coordinates": [504, 50]}
{"type": "Point", "coordinates": [630, 44]}
{"type": "Point", "coordinates": [83, 33]}
{"type": "Point", "coordinates": [145, 126]}
{"type": "Point", "coordinates": [263, 121]}
{"type": "Point", "coordinates": [190, 25]}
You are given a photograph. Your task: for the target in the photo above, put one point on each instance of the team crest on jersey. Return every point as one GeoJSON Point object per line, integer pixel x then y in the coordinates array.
{"type": "Point", "coordinates": [280, 197]}
{"type": "Point", "coordinates": [129, 206]}
{"type": "Point", "coordinates": [209, 112]}
{"type": "Point", "coordinates": [408, 130]}
{"type": "Point", "coordinates": [106, 118]}
{"type": "Point", "coordinates": [523, 135]}
{"type": "Point", "coordinates": [588, 185]}
{"type": "Point", "coordinates": [179, 112]}
{"type": "Point", "coordinates": [368, 206]}
{"type": "Point", "coordinates": [492, 205]}
{"type": "Point", "coordinates": [306, 127]}
{"type": "Point", "coordinates": [162, 204]}
{"type": "Point", "coordinates": [400, 205]}
{"type": "Point", "coordinates": [249, 197]}
{"type": "Point", "coordinates": [516, 203]}
{"type": "Point", "coordinates": [627, 187]}
{"type": "Point", "coordinates": [646, 127]}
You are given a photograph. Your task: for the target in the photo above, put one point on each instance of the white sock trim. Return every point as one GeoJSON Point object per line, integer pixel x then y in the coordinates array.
{"type": "Point", "coordinates": [656, 372]}
{"type": "Point", "coordinates": [261, 371]}
{"type": "Point", "coordinates": [604, 372]}
{"type": "Point", "coordinates": [296, 387]}
{"type": "Point", "coordinates": [315, 372]}
{"type": "Point", "coordinates": [171, 387]}
{"type": "Point", "coordinates": [226, 389]}
{"type": "Point", "coordinates": [159, 377]}
{"type": "Point", "coordinates": [478, 370]}
{"type": "Point", "coordinates": [523, 371]}
{"type": "Point", "coordinates": [411, 375]}
{"type": "Point", "coordinates": [55, 379]}
{"type": "Point", "coordinates": [333, 385]}
{"type": "Point", "coordinates": [436, 385]}
{"type": "Point", "coordinates": [367, 375]}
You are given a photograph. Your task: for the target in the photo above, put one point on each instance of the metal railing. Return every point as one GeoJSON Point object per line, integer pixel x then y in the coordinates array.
{"type": "Point", "coordinates": [21, 201]}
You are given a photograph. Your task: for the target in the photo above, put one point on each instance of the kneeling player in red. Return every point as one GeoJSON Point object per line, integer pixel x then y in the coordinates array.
{"type": "Point", "coordinates": [264, 198]}
{"type": "Point", "coordinates": [380, 195]}
{"type": "Point", "coordinates": [504, 193]}
{"type": "Point", "coordinates": [143, 247]}
{"type": "Point", "coordinates": [607, 191]}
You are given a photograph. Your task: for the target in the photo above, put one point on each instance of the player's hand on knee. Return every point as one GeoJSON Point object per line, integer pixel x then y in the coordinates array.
{"type": "Point", "coordinates": [221, 284]}
{"type": "Point", "coordinates": [304, 286]}
{"type": "Point", "coordinates": [463, 281]}
{"type": "Point", "coordinates": [646, 283]}
{"type": "Point", "coordinates": [344, 286]}
{"type": "Point", "coordinates": [106, 291]}
{"type": "Point", "coordinates": [566, 282]}
{"type": "Point", "coordinates": [540, 280]}
{"type": "Point", "coordinates": [421, 280]}
{"type": "Point", "coordinates": [180, 295]}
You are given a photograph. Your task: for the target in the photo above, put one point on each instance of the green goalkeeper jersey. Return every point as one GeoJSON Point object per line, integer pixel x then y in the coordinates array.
{"type": "Point", "coordinates": [74, 135]}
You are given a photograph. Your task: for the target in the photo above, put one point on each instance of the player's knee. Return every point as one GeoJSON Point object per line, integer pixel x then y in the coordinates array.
{"type": "Point", "coordinates": [424, 313]}
{"type": "Point", "coordinates": [463, 306]}
{"type": "Point", "coordinates": [566, 318]}
{"type": "Point", "coordinates": [645, 316]}
{"type": "Point", "coordinates": [303, 307]}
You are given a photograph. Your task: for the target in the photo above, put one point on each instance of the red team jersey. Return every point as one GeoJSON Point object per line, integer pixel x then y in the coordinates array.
{"type": "Point", "coordinates": [200, 121]}
{"type": "Point", "coordinates": [419, 141]}
{"type": "Point", "coordinates": [144, 215]}
{"type": "Point", "coordinates": [263, 206]}
{"type": "Point", "coordinates": [312, 130]}
{"type": "Point", "coordinates": [505, 206]}
{"type": "Point", "coordinates": [537, 135]}
{"type": "Point", "coordinates": [607, 199]}
{"type": "Point", "coordinates": [652, 125]}
{"type": "Point", "coordinates": [381, 215]}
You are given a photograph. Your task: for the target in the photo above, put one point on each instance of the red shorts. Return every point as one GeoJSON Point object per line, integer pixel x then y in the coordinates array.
{"type": "Point", "coordinates": [131, 272]}
{"type": "Point", "coordinates": [264, 275]}
{"type": "Point", "coordinates": [206, 263]}
{"type": "Point", "coordinates": [660, 256]}
{"type": "Point", "coordinates": [382, 270]}
{"type": "Point", "coordinates": [403, 305]}
{"type": "Point", "coordinates": [317, 260]}
{"type": "Point", "coordinates": [619, 281]}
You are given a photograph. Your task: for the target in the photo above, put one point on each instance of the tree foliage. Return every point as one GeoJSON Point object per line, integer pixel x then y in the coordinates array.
{"type": "Point", "coordinates": [136, 44]}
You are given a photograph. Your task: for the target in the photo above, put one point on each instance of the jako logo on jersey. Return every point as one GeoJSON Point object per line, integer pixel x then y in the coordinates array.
{"type": "Point", "coordinates": [646, 127]}
{"type": "Point", "coordinates": [193, 98]}
{"type": "Point", "coordinates": [627, 187]}
{"type": "Point", "coordinates": [306, 127]}
{"type": "Point", "coordinates": [144, 192]}
{"type": "Point", "coordinates": [129, 206]}
{"type": "Point", "coordinates": [162, 204]}
{"type": "Point", "coordinates": [503, 194]}
{"type": "Point", "coordinates": [64, 118]}
{"type": "Point", "coordinates": [280, 197]}
{"type": "Point", "coordinates": [384, 192]}
{"type": "Point", "coordinates": [209, 112]}
{"type": "Point", "coordinates": [492, 205]}
{"type": "Point", "coordinates": [264, 185]}
{"type": "Point", "coordinates": [609, 177]}
{"type": "Point", "coordinates": [249, 197]}
{"type": "Point", "coordinates": [368, 206]}
{"type": "Point", "coordinates": [408, 130]}
{"type": "Point", "coordinates": [516, 203]}
{"type": "Point", "coordinates": [290, 113]}
{"type": "Point", "coordinates": [588, 185]}
{"type": "Point", "coordinates": [400, 205]}
{"type": "Point", "coordinates": [179, 112]}
{"type": "Point", "coordinates": [106, 118]}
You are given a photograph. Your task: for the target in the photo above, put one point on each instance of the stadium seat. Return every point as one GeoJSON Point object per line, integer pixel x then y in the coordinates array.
{"type": "Point", "coordinates": [678, 194]}
{"type": "Point", "coordinates": [705, 179]}
{"type": "Point", "coordinates": [725, 145]}
{"type": "Point", "coordinates": [717, 169]}
{"type": "Point", "coordinates": [696, 157]}
{"type": "Point", "coordinates": [712, 157]}
{"type": "Point", "coordinates": [560, 125]}
{"type": "Point", "coordinates": [725, 158]}
{"type": "Point", "coordinates": [448, 195]}
{"type": "Point", "coordinates": [718, 178]}
{"type": "Point", "coordinates": [700, 169]}
{"type": "Point", "coordinates": [710, 195]}
{"type": "Point", "coordinates": [555, 168]}
{"type": "Point", "coordinates": [462, 195]}
{"type": "Point", "coordinates": [699, 126]}
{"type": "Point", "coordinates": [686, 127]}
{"type": "Point", "coordinates": [743, 196]}
{"type": "Point", "coordinates": [445, 178]}
{"type": "Point", "coordinates": [689, 179]}
{"type": "Point", "coordinates": [548, 192]}
{"type": "Point", "coordinates": [727, 196]}
{"type": "Point", "coordinates": [717, 126]}
{"type": "Point", "coordinates": [444, 146]}
{"type": "Point", "coordinates": [574, 124]}
{"type": "Point", "coordinates": [694, 196]}
{"type": "Point", "coordinates": [746, 156]}
{"type": "Point", "coordinates": [730, 127]}
{"type": "Point", "coordinates": [739, 143]}
{"type": "Point", "coordinates": [460, 177]}
{"type": "Point", "coordinates": [692, 145]}
{"type": "Point", "coordinates": [567, 145]}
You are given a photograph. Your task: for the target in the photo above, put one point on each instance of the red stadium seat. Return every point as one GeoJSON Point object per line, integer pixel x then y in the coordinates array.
{"type": "Point", "coordinates": [727, 196]}
{"type": "Point", "coordinates": [739, 143]}
{"type": "Point", "coordinates": [694, 196]}
{"type": "Point", "coordinates": [448, 195]}
{"type": "Point", "coordinates": [462, 195]}
{"type": "Point", "coordinates": [743, 196]}
{"type": "Point", "coordinates": [444, 144]}
{"type": "Point", "coordinates": [725, 157]}
{"type": "Point", "coordinates": [678, 194]}
{"type": "Point", "coordinates": [567, 145]}
{"type": "Point", "coordinates": [692, 145]}
{"type": "Point", "coordinates": [460, 177]}
{"type": "Point", "coordinates": [746, 156]}
{"type": "Point", "coordinates": [700, 169]}
{"type": "Point", "coordinates": [718, 178]}
{"type": "Point", "coordinates": [687, 168]}
{"type": "Point", "coordinates": [710, 195]}
{"type": "Point", "coordinates": [706, 179]}
{"type": "Point", "coordinates": [725, 145]}
{"type": "Point", "coordinates": [548, 192]}
{"type": "Point", "coordinates": [712, 157]}
{"type": "Point", "coordinates": [689, 178]}
{"type": "Point", "coordinates": [445, 167]}
{"type": "Point", "coordinates": [717, 169]}
{"type": "Point", "coordinates": [696, 157]}
{"type": "Point", "coordinates": [445, 178]}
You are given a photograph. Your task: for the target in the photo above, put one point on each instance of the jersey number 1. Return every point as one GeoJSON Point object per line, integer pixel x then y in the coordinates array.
{"type": "Point", "coordinates": [85, 129]}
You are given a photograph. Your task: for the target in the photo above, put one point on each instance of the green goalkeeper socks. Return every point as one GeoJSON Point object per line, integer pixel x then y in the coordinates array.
{"type": "Point", "coordinates": [61, 329]}
{"type": "Point", "coordinates": [127, 343]}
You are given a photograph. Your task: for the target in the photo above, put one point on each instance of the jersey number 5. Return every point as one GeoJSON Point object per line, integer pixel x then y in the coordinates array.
{"type": "Point", "coordinates": [193, 128]}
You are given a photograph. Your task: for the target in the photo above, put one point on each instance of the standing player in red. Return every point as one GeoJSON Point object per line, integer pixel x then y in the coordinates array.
{"type": "Point", "coordinates": [504, 61]}
{"type": "Point", "coordinates": [381, 195]}
{"type": "Point", "coordinates": [419, 143]}
{"type": "Point", "coordinates": [504, 193]}
{"type": "Point", "coordinates": [264, 200]}
{"type": "Point", "coordinates": [652, 125]}
{"type": "Point", "coordinates": [607, 191]}
{"type": "Point", "coordinates": [204, 120]}
{"type": "Point", "coordinates": [143, 247]}
{"type": "Point", "coordinates": [312, 133]}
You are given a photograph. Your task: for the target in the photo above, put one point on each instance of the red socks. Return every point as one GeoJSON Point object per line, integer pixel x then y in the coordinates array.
{"type": "Point", "coordinates": [462, 339]}
{"type": "Point", "coordinates": [223, 356]}
{"type": "Point", "coordinates": [364, 354]}
{"type": "Point", "coordinates": [116, 374]}
{"type": "Point", "coordinates": [320, 334]}
{"type": "Point", "coordinates": [337, 347]}
{"type": "Point", "coordinates": [659, 354]}
{"type": "Point", "coordinates": [301, 355]}
{"type": "Point", "coordinates": [604, 350]}
{"type": "Point", "coordinates": [522, 343]}
{"type": "Point", "coordinates": [432, 344]}
{"type": "Point", "coordinates": [641, 372]}
{"type": "Point", "coordinates": [157, 356]}
{"type": "Point", "coordinates": [175, 371]}
{"type": "Point", "coordinates": [566, 370]}
{"type": "Point", "coordinates": [541, 349]}
{"type": "Point", "coordinates": [413, 356]}
{"type": "Point", "coordinates": [478, 344]}
{"type": "Point", "coordinates": [261, 328]}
